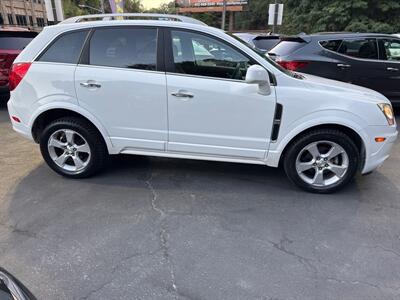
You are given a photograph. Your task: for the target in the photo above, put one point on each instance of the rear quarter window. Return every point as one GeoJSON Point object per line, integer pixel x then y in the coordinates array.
{"type": "Point", "coordinates": [287, 47]}
{"type": "Point", "coordinates": [66, 48]}
{"type": "Point", "coordinates": [332, 45]}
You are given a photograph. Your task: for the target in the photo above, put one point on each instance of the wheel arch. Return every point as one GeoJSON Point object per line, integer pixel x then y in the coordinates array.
{"type": "Point", "coordinates": [46, 116]}
{"type": "Point", "coordinates": [351, 132]}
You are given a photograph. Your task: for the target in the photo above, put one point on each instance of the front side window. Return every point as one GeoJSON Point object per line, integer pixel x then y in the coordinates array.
{"type": "Point", "coordinates": [364, 48]}
{"type": "Point", "coordinates": [134, 48]}
{"type": "Point", "coordinates": [390, 49]}
{"type": "Point", "coordinates": [65, 49]}
{"type": "Point", "coordinates": [197, 54]}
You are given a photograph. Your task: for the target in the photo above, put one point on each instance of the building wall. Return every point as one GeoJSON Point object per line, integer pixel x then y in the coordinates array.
{"type": "Point", "coordinates": [24, 13]}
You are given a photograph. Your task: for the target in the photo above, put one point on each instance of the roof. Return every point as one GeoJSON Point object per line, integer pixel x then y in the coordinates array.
{"type": "Point", "coordinates": [339, 35]}
{"type": "Point", "coordinates": [132, 16]}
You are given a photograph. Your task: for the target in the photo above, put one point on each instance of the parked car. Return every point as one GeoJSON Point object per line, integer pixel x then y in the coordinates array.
{"type": "Point", "coordinates": [12, 289]}
{"type": "Point", "coordinates": [174, 87]}
{"type": "Point", "coordinates": [261, 42]}
{"type": "Point", "coordinates": [12, 41]}
{"type": "Point", "coordinates": [369, 60]}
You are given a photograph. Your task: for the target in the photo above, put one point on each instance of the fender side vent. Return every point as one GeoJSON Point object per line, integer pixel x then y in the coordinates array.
{"type": "Point", "coordinates": [277, 122]}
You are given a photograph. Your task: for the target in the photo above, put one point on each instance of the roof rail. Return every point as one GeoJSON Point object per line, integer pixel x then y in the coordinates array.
{"type": "Point", "coordinates": [137, 16]}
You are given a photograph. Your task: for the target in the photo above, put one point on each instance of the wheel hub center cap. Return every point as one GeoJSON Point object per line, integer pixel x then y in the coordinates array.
{"type": "Point", "coordinates": [70, 150]}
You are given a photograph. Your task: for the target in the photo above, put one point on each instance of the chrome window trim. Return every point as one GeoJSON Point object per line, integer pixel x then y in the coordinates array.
{"type": "Point", "coordinates": [209, 77]}
{"type": "Point", "coordinates": [120, 68]}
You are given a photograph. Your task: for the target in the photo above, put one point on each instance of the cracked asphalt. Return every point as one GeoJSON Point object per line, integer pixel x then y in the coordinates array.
{"type": "Point", "coordinates": [154, 228]}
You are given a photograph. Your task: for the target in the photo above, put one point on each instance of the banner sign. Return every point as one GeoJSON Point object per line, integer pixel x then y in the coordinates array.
{"type": "Point", "coordinates": [209, 3]}
{"type": "Point", "coordinates": [117, 6]}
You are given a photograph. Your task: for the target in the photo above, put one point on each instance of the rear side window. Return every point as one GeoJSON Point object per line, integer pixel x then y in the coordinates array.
{"type": "Point", "coordinates": [331, 45]}
{"type": "Point", "coordinates": [364, 48]}
{"type": "Point", "coordinates": [134, 48]}
{"type": "Point", "coordinates": [66, 49]}
{"type": "Point", "coordinates": [287, 47]}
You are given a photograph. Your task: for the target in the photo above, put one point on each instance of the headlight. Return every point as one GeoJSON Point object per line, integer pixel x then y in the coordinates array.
{"type": "Point", "coordinates": [388, 112]}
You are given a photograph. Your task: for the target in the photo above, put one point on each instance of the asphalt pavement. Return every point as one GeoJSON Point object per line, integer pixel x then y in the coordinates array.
{"type": "Point", "coordinates": [155, 228]}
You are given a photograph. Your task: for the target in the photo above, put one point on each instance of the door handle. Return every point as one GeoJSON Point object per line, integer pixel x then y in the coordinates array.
{"type": "Point", "coordinates": [392, 69]}
{"type": "Point", "coordinates": [343, 66]}
{"type": "Point", "coordinates": [91, 84]}
{"type": "Point", "coordinates": [182, 94]}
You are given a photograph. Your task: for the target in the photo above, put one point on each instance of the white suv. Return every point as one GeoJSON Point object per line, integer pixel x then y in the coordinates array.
{"type": "Point", "coordinates": [171, 86]}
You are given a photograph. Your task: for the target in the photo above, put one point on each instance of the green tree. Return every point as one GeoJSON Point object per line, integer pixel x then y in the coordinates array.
{"type": "Point", "coordinates": [339, 15]}
{"type": "Point", "coordinates": [132, 6]}
{"type": "Point", "coordinates": [165, 8]}
{"type": "Point", "coordinates": [326, 15]}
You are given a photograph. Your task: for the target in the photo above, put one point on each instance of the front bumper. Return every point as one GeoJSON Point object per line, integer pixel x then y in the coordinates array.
{"type": "Point", "coordinates": [377, 153]}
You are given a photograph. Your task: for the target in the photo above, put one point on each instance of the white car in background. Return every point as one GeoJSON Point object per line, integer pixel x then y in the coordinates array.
{"type": "Point", "coordinates": [171, 86]}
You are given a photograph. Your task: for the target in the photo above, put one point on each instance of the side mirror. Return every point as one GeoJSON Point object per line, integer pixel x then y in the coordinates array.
{"type": "Point", "coordinates": [258, 75]}
{"type": "Point", "coordinates": [12, 288]}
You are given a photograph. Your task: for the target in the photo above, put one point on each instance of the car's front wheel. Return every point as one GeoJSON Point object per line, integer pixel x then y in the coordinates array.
{"type": "Point", "coordinates": [322, 161]}
{"type": "Point", "coordinates": [73, 148]}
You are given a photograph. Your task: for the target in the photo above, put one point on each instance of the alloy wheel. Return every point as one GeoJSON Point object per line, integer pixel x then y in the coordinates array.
{"type": "Point", "coordinates": [322, 163]}
{"type": "Point", "coordinates": [69, 150]}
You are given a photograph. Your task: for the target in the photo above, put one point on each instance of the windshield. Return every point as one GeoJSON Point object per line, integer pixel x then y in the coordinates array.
{"type": "Point", "coordinates": [266, 57]}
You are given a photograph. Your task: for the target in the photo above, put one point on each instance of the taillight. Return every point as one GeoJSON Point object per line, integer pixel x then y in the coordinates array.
{"type": "Point", "coordinates": [17, 73]}
{"type": "Point", "coordinates": [292, 65]}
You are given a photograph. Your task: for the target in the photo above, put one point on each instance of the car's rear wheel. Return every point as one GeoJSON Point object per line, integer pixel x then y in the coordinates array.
{"type": "Point", "coordinates": [73, 148]}
{"type": "Point", "coordinates": [322, 161]}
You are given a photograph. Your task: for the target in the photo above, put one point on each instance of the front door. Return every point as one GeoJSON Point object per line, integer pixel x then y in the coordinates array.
{"type": "Point", "coordinates": [211, 110]}
{"type": "Point", "coordinates": [120, 82]}
{"type": "Point", "coordinates": [390, 53]}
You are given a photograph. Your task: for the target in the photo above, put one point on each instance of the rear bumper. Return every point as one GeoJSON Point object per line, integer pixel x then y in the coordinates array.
{"type": "Point", "coordinates": [19, 127]}
{"type": "Point", "coordinates": [377, 153]}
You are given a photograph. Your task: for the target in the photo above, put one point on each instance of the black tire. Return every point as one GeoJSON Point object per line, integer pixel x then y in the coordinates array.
{"type": "Point", "coordinates": [331, 135]}
{"type": "Point", "coordinates": [98, 149]}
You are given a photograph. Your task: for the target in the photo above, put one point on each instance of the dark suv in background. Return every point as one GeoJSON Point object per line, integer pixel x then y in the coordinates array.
{"type": "Point", "coordinates": [12, 41]}
{"type": "Point", "coordinates": [263, 42]}
{"type": "Point", "coordinates": [370, 60]}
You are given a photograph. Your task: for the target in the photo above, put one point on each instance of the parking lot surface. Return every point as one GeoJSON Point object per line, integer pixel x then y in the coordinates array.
{"type": "Point", "coordinates": [153, 228]}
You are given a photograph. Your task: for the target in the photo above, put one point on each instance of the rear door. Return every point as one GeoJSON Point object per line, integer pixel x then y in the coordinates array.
{"type": "Point", "coordinates": [361, 64]}
{"type": "Point", "coordinates": [390, 54]}
{"type": "Point", "coordinates": [329, 64]}
{"type": "Point", "coordinates": [120, 80]}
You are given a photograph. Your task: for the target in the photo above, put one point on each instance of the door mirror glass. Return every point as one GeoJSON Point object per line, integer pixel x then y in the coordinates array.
{"type": "Point", "coordinates": [258, 75]}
